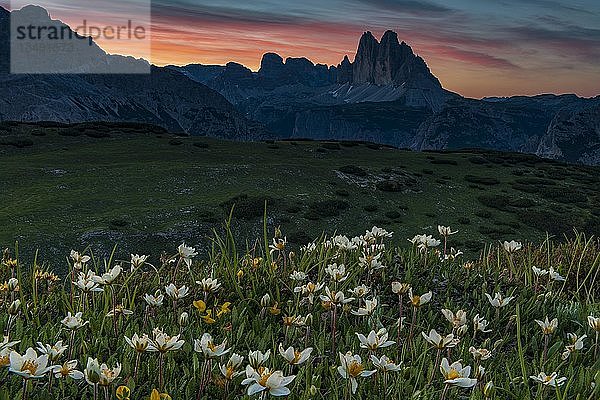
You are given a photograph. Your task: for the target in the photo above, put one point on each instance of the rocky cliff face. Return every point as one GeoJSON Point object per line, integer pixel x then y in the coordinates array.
{"type": "Point", "coordinates": [390, 62]}
{"type": "Point", "coordinates": [574, 136]}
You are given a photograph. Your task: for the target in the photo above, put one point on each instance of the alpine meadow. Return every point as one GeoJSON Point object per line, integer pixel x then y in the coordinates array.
{"type": "Point", "coordinates": [334, 200]}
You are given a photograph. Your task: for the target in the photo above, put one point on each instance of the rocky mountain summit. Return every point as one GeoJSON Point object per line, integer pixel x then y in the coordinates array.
{"type": "Point", "coordinates": [387, 94]}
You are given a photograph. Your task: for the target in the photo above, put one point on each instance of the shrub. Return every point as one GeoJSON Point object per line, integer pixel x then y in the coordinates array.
{"type": "Point", "coordinates": [482, 180]}
{"type": "Point", "coordinates": [329, 208]}
{"type": "Point", "coordinates": [246, 207]}
{"type": "Point", "coordinates": [393, 214]}
{"type": "Point", "coordinates": [371, 208]}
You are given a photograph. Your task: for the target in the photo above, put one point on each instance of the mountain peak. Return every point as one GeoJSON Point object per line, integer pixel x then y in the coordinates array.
{"type": "Point", "coordinates": [389, 62]}
{"type": "Point", "coordinates": [390, 37]}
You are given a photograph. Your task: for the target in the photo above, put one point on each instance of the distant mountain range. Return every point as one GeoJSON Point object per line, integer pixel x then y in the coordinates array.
{"type": "Point", "coordinates": [386, 95]}
{"type": "Point", "coordinates": [164, 97]}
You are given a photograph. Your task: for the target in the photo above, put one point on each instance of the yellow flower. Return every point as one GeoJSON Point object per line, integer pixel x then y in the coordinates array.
{"type": "Point", "coordinates": [275, 309]}
{"type": "Point", "coordinates": [224, 309]}
{"type": "Point", "coordinates": [155, 395]}
{"type": "Point", "coordinates": [208, 319]}
{"type": "Point", "coordinates": [200, 305]}
{"type": "Point", "coordinates": [123, 393]}
{"type": "Point", "coordinates": [240, 274]}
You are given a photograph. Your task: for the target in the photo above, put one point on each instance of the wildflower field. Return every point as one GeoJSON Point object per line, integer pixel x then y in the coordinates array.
{"type": "Point", "coordinates": [338, 318]}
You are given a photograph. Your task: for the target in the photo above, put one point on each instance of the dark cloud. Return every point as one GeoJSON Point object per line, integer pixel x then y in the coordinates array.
{"type": "Point", "coordinates": [225, 15]}
{"type": "Point", "coordinates": [407, 6]}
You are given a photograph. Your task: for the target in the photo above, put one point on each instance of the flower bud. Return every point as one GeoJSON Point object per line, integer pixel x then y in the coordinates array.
{"type": "Point", "coordinates": [14, 307]}
{"type": "Point", "coordinates": [488, 390]}
{"type": "Point", "coordinates": [184, 319]}
{"type": "Point", "coordinates": [13, 283]}
{"type": "Point", "coordinates": [266, 300]}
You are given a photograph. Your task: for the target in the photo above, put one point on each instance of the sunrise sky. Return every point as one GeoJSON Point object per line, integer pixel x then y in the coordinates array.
{"type": "Point", "coordinates": [475, 47]}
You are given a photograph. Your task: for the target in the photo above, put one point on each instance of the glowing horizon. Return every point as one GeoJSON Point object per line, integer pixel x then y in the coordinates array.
{"type": "Point", "coordinates": [476, 48]}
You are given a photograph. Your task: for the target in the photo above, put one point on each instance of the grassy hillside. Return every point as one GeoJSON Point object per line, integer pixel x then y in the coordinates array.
{"type": "Point", "coordinates": [74, 186]}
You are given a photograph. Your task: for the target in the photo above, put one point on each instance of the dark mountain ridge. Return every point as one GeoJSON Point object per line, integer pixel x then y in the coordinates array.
{"type": "Point", "coordinates": [388, 95]}
{"type": "Point", "coordinates": [162, 97]}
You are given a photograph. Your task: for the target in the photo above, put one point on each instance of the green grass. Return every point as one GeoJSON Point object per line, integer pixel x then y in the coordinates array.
{"type": "Point", "coordinates": [112, 190]}
{"type": "Point", "coordinates": [105, 184]}
{"type": "Point", "coordinates": [515, 340]}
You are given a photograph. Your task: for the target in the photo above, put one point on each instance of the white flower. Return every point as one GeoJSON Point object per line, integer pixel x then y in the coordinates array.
{"type": "Point", "coordinates": [68, 369]}
{"type": "Point", "coordinates": [384, 364]}
{"type": "Point", "coordinates": [440, 342]}
{"type": "Point", "coordinates": [480, 354]}
{"type": "Point", "coordinates": [555, 276]}
{"type": "Point", "coordinates": [512, 246]}
{"type": "Point", "coordinates": [360, 291]}
{"type": "Point", "coordinates": [108, 375]}
{"type": "Point", "coordinates": [498, 301]}
{"type": "Point", "coordinates": [278, 245]}
{"type": "Point", "coordinates": [155, 300]}
{"type": "Point", "coordinates": [456, 320]}
{"type": "Point", "coordinates": [186, 253]}
{"type": "Point", "coordinates": [548, 327]}
{"type": "Point", "coordinates": [209, 285]}
{"type": "Point", "coordinates": [309, 290]}
{"type": "Point", "coordinates": [137, 261]}
{"type": "Point", "coordinates": [418, 301]}
{"type": "Point", "coordinates": [335, 298]}
{"type": "Point", "coordinates": [257, 358]}
{"type": "Point", "coordinates": [108, 277]}
{"type": "Point", "coordinates": [92, 371]}
{"type": "Point", "coordinates": [342, 243]}
{"type": "Point", "coordinates": [375, 340]}
{"type": "Point", "coordinates": [176, 293]}
{"type": "Point", "coordinates": [88, 283]}
{"type": "Point", "coordinates": [29, 365]}
{"type": "Point", "coordinates": [456, 374]}
{"type": "Point", "coordinates": [309, 248]}
{"type": "Point", "coordinates": [368, 309]}
{"type": "Point", "coordinates": [480, 323]}
{"type": "Point", "coordinates": [370, 262]}
{"type": "Point", "coordinates": [163, 343]}
{"type": "Point", "coordinates": [539, 272]}
{"type": "Point", "coordinates": [119, 310]}
{"type": "Point", "coordinates": [208, 348]}
{"type": "Point", "coordinates": [138, 343]}
{"type": "Point", "coordinates": [230, 370]}
{"type": "Point", "coordinates": [273, 382]}
{"type": "Point", "coordinates": [446, 231]}
{"type": "Point", "coordinates": [298, 276]}
{"type": "Point", "coordinates": [74, 322]}
{"type": "Point", "coordinates": [295, 357]}
{"type": "Point", "coordinates": [53, 352]}
{"type": "Point", "coordinates": [79, 260]}
{"type": "Point", "coordinates": [576, 345]}
{"type": "Point", "coordinates": [6, 344]}
{"type": "Point", "coordinates": [337, 272]}
{"type": "Point", "coordinates": [378, 233]}
{"type": "Point", "coordinates": [549, 380]}
{"type": "Point", "coordinates": [594, 323]}
{"type": "Point", "coordinates": [453, 254]}
{"type": "Point", "coordinates": [351, 368]}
